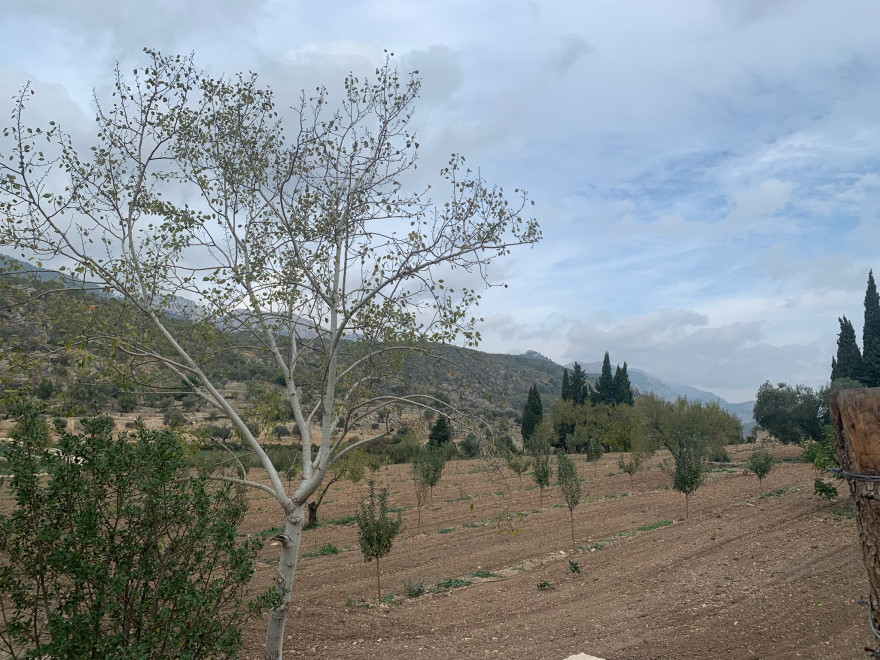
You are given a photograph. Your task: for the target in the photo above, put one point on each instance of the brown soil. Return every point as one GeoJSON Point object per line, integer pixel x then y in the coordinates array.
{"type": "Point", "coordinates": [745, 576]}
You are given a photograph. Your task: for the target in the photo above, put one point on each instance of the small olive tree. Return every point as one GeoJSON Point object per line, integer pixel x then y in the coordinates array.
{"type": "Point", "coordinates": [630, 466]}
{"type": "Point", "coordinates": [420, 470]}
{"type": "Point", "coordinates": [689, 468]}
{"type": "Point", "coordinates": [539, 448]}
{"type": "Point", "coordinates": [518, 464]}
{"type": "Point", "coordinates": [569, 484]}
{"type": "Point", "coordinates": [376, 530]}
{"type": "Point", "coordinates": [350, 466]}
{"type": "Point", "coordinates": [541, 473]}
{"type": "Point", "coordinates": [760, 463]}
{"type": "Point", "coordinates": [428, 464]}
{"type": "Point", "coordinates": [595, 450]}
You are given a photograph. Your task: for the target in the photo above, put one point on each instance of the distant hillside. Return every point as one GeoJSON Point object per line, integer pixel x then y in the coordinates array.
{"type": "Point", "coordinates": [495, 383]}
{"type": "Point", "coordinates": [23, 270]}
{"type": "Point", "coordinates": [36, 321]}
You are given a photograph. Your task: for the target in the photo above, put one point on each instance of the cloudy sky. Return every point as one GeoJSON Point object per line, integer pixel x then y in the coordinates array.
{"type": "Point", "coordinates": [706, 172]}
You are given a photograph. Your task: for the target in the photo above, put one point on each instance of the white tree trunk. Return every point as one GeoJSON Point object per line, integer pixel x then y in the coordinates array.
{"type": "Point", "coordinates": [290, 542]}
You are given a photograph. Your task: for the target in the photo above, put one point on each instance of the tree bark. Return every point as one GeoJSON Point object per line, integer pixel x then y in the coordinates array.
{"type": "Point", "coordinates": [313, 514]}
{"type": "Point", "coordinates": [378, 584]}
{"type": "Point", "coordinates": [855, 415]}
{"type": "Point", "coordinates": [290, 542]}
{"type": "Point", "coordinates": [314, 504]}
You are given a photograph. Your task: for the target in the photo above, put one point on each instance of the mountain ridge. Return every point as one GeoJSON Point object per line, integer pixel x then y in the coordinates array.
{"type": "Point", "coordinates": [511, 374]}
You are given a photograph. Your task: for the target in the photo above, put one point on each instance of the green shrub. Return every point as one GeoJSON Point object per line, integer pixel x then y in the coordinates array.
{"type": "Point", "coordinates": [127, 402]}
{"type": "Point", "coordinates": [173, 418]}
{"type": "Point", "coordinates": [44, 389]}
{"type": "Point", "coordinates": [824, 489]}
{"type": "Point", "coordinates": [120, 553]}
{"type": "Point", "coordinates": [218, 432]}
{"type": "Point", "coordinates": [323, 551]}
{"type": "Point", "coordinates": [822, 455]}
{"type": "Point", "coordinates": [470, 446]}
{"type": "Point", "coordinates": [414, 590]}
{"type": "Point", "coordinates": [453, 583]}
{"type": "Point", "coordinates": [776, 492]}
{"type": "Point", "coordinates": [166, 403]}
{"type": "Point", "coordinates": [405, 446]}
{"type": "Point", "coordinates": [718, 453]}
{"type": "Point", "coordinates": [504, 444]}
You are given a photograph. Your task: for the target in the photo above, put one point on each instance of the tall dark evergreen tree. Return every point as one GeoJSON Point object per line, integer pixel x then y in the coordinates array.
{"type": "Point", "coordinates": [622, 387]}
{"type": "Point", "coordinates": [566, 386]}
{"type": "Point", "coordinates": [578, 383]}
{"type": "Point", "coordinates": [871, 336]}
{"type": "Point", "coordinates": [604, 392]}
{"type": "Point", "coordinates": [533, 413]}
{"type": "Point", "coordinates": [440, 434]}
{"type": "Point", "coordinates": [848, 363]}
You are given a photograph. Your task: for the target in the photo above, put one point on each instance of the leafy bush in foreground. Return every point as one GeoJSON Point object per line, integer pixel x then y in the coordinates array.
{"type": "Point", "coordinates": [116, 552]}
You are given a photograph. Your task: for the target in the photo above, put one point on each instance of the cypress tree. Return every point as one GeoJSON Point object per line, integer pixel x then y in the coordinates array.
{"type": "Point", "coordinates": [566, 386]}
{"type": "Point", "coordinates": [533, 413]}
{"type": "Point", "coordinates": [871, 336]}
{"type": "Point", "coordinates": [578, 384]}
{"type": "Point", "coordinates": [440, 433]}
{"type": "Point", "coordinates": [848, 363]}
{"type": "Point", "coordinates": [622, 387]}
{"type": "Point", "coordinates": [604, 392]}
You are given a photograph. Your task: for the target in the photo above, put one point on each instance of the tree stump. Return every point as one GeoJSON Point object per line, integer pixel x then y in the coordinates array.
{"type": "Point", "coordinates": [856, 418]}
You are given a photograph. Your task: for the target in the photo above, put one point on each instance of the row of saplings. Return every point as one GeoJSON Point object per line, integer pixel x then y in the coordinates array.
{"type": "Point", "coordinates": [377, 530]}
{"type": "Point", "coordinates": [114, 547]}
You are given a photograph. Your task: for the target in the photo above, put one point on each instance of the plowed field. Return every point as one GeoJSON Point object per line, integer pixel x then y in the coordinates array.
{"type": "Point", "coordinates": [773, 572]}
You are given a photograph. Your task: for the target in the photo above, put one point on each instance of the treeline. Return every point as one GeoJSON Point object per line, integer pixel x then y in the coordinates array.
{"type": "Point", "coordinates": [592, 420]}
{"type": "Point", "coordinates": [851, 363]}
{"type": "Point", "coordinates": [611, 390]}
{"type": "Point", "coordinates": [798, 414]}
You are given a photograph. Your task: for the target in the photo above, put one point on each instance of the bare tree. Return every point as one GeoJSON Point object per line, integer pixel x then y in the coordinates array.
{"type": "Point", "coordinates": [297, 231]}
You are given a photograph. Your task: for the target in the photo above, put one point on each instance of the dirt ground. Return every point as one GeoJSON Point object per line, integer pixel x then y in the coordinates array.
{"type": "Point", "coordinates": [752, 573]}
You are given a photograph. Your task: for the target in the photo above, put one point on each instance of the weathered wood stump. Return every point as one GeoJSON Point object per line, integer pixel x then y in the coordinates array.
{"type": "Point", "coordinates": [856, 418]}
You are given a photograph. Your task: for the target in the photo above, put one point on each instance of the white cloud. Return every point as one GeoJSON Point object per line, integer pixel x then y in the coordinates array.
{"type": "Point", "coordinates": [706, 173]}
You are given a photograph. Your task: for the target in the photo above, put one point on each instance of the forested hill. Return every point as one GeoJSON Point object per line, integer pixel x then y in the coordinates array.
{"type": "Point", "coordinates": [40, 313]}
{"type": "Point", "coordinates": [496, 384]}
